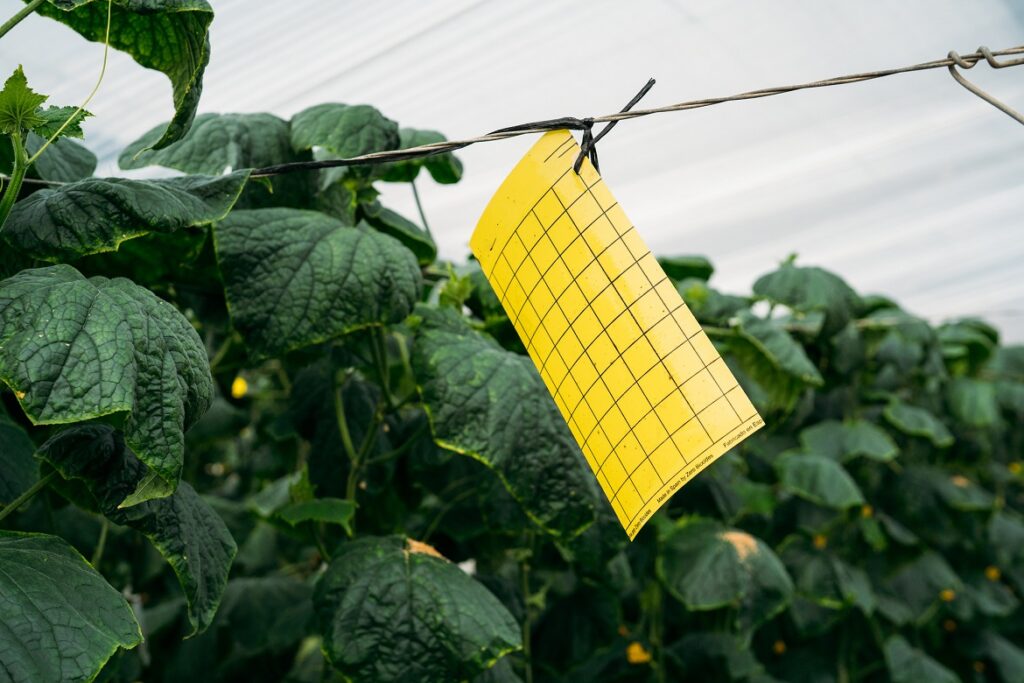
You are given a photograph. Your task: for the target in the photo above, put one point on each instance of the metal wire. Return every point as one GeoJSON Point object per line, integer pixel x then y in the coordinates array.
{"type": "Point", "coordinates": [573, 123]}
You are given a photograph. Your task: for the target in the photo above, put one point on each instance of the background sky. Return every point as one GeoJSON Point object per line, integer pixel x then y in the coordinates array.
{"type": "Point", "coordinates": [908, 186]}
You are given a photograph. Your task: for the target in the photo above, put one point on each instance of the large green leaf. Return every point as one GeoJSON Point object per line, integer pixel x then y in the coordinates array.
{"type": "Point", "coordinates": [60, 619]}
{"type": "Point", "coordinates": [915, 421]}
{"type": "Point", "coordinates": [230, 142]}
{"type": "Point", "coordinates": [807, 289]}
{"type": "Point", "coordinates": [819, 479]}
{"type": "Point", "coordinates": [773, 359]}
{"type": "Point", "coordinates": [707, 303]}
{"type": "Point", "coordinates": [18, 469]}
{"type": "Point", "coordinates": [911, 593]}
{"type": "Point", "coordinates": [98, 214]}
{"type": "Point", "coordinates": [443, 168]}
{"type": "Point", "coordinates": [344, 130]}
{"type": "Point", "coordinates": [956, 490]}
{"type": "Point", "coordinates": [683, 267]}
{"type": "Point", "coordinates": [492, 405]}
{"type": "Point", "coordinates": [389, 610]}
{"type": "Point", "coordinates": [849, 439]}
{"type": "Point", "coordinates": [295, 278]}
{"type": "Point", "coordinates": [1007, 656]}
{"type": "Point", "coordinates": [907, 664]}
{"type": "Point", "coordinates": [183, 527]}
{"type": "Point", "coordinates": [171, 36]}
{"type": "Point", "coordinates": [75, 349]}
{"type": "Point", "coordinates": [973, 401]}
{"type": "Point", "coordinates": [708, 566]}
{"type": "Point", "coordinates": [824, 578]}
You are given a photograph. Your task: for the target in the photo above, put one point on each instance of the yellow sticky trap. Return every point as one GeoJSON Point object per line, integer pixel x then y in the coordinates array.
{"type": "Point", "coordinates": [644, 391]}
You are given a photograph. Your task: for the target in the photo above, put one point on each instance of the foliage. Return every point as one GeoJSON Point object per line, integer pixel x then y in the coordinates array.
{"type": "Point", "coordinates": [296, 447]}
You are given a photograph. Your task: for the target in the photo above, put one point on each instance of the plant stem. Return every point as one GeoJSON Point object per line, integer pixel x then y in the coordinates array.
{"type": "Point", "coordinates": [419, 206]}
{"type": "Point", "coordinates": [17, 176]}
{"type": "Point", "coordinates": [27, 496]}
{"type": "Point", "coordinates": [524, 575]}
{"type": "Point", "coordinates": [16, 19]}
{"type": "Point", "coordinates": [101, 544]}
{"type": "Point", "coordinates": [379, 351]}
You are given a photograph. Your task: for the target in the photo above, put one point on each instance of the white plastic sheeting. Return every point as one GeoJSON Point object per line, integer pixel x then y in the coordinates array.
{"type": "Point", "coordinates": [908, 186]}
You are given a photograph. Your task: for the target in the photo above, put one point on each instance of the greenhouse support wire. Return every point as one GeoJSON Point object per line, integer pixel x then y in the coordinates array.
{"type": "Point", "coordinates": [585, 124]}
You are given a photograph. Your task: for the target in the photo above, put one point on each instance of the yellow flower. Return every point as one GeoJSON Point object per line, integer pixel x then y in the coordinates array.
{"type": "Point", "coordinates": [1015, 467]}
{"type": "Point", "coordinates": [820, 541]}
{"type": "Point", "coordinates": [239, 387]}
{"type": "Point", "coordinates": [623, 631]}
{"type": "Point", "coordinates": [779, 647]}
{"type": "Point", "coordinates": [867, 511]}
{"type": "Point", "coordinates": [947, 595]}
{"type": "Point", "coordinates": [949, 625]}
{"type": "Point", "coordinates": [992, 573]}
{"type": "Point", "coordinates": [636, 653]}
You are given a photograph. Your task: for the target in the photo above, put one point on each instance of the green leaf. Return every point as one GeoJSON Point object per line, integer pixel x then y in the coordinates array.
{"type": "Point", "coordinates": [230, 142]}
{"type": "Point", "coordinates": [708, 304]}
{"type": "Point", "coordinates": [327, 510]}
{"type": "Point", "coordinates": [807, 289]}
{"type": "Point", "coordinates": [492, 405]}
{"type": "Point", "coordinates": [343, 130]}
{"type": "Point", "coordinates": [912, 592]}
{"type": "Point", "coordinates": [19, 105]}
{"type": "Point", "coordinates": [825, 579]}
{"type": "Point", "coordinates": [915, 421]}
{"type": "Point", "coordinates": [18, 469]}
{"type": "Point", "coordinates": [707, 566]}
{"type": "Point", "coordinates": [61, 620]}
{"type": "Point", "coordinates": [402, 229]}
{"type": "Point", "coordinates": [956, 490]}
{"type": "Point", "coordinates": [98, 214]}
{"type": "Point", "coordinates": [973, 402]}
{"type": "Point", "coordinates": [75, 349]}
{"type": "Point", "coordinates": [443, 168]}
{"type": "Point", "coordinates": [182, 527]}
{"type": "Point", "coordinates": [295, 278]}
{"type": "Point", "coordinates": [52, 120]}
{"type": "Point", "coordinates": [820, 480]}
{"type": "Point", "coordinates": [64, 160]}
{"type": "Point", "coordinates": [684, 267]}
{"type": "Point", "coordinates": [417, 617]}
{"type": "Point", "coordinates": [1007, 656]}
{"type": "Point", "coordinates": [170, 36]}
{"type": "Point", "coordinates": [849, 439]}
{"type": "Point", "coordinates": [907, 664]}
{"type": "Point", "coordinates": [773, 359]}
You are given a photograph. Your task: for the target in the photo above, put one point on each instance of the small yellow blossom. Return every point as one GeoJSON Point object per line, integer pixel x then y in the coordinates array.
{"type": "Point", "coordinates": [239, 387]}
{"type": "Point", "coordinates": [979, 666]}
{"type": "Point", "coordinates": [947, 595]}
{"type": "Point", "coordinates": [949, 625]}
{"type": "Point", "coordinates": [1015, 467]}
{"type": "Point", "coordinates": [992, 573]}
{"type": "Point", "coordinates": [623, 631]}
{"type": "Point", "coordinates": [820, 541]}
{"type": "Point", "coordinates": [779, 647]}
{"type": "Point", "coordinates": [636, 653]}
{"type": "Point", "coordinates": [866, 511]}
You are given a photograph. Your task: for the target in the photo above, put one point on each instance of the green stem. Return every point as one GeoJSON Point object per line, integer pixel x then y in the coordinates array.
{"type": "Point", "coordinates": [524, 574]}
{"type": "Point", "coordinates": [221, 353]}
{"type": "Point", "coordinates": [419, 207]}
{"type": "Point", "coordinates": [16, 19]}
{"type": "Point", "coordinates": [101, 544]}
{"type": "Point", "coordinates": [318, 539]}
{"type": "Point", "coordinates": [339, 416]}
{"type": "Point", "coordinates": [379, 351]}
{"type": "Point", "coordinates": [21, 164]}
{"type": "Point", "coordinates": [27, 496]}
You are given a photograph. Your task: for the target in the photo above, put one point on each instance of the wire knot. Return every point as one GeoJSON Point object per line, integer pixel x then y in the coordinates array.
{"type": "Point", "coordinates": [968, 62]}
{"type": "Point", "coordinates": [588, 146]}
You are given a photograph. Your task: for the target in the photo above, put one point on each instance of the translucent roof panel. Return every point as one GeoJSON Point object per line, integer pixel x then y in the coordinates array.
{"type": "Point", "coordinates": [907, 186]}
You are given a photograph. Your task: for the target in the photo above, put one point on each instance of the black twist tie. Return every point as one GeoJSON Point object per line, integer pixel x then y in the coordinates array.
{"type": "Point", "coordinates": [588, 146]}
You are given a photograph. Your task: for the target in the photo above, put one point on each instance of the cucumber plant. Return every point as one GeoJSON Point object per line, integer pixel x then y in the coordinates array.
{"type": "Point", "coordinates": [254, 430]}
